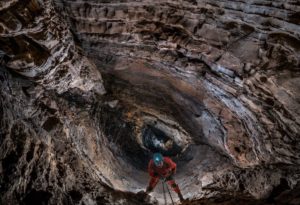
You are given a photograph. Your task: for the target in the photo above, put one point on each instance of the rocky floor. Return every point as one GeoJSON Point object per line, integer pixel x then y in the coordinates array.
{"type": "Point", "coordinates": [90, 88]}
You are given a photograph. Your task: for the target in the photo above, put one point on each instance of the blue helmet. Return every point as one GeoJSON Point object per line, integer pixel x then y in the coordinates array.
{"type": "Point", "coordinates": [158, 159]}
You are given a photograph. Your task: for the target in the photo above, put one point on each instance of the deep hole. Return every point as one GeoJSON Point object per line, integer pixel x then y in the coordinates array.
{"type": "Point", "coordinates": [157, 141]}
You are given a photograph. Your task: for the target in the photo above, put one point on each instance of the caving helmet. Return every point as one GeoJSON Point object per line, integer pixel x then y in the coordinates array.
{"type": "Point", "coordinates": [158, 159]}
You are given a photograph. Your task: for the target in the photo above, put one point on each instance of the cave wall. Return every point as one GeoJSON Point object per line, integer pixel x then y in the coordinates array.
{"type": "Point", "coordinates": [237, 60]}
{"type": "Point", "coordinates": [82, 80]}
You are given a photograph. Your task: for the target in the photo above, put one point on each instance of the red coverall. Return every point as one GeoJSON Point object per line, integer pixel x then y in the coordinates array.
{"type": "Point", "coordinates": [166, 171]}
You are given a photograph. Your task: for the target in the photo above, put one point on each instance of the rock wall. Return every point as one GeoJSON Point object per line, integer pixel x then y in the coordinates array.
{"type": "Point", "coordinates": [89, 89]}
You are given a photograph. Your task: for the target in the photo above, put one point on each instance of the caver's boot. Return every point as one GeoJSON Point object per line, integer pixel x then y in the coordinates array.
{"type": "Point", "coordinates": [180, 197]}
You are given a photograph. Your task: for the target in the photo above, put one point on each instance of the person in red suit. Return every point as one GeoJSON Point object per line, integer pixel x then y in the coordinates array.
{"type": "Point", "coordinates": [162, 168]}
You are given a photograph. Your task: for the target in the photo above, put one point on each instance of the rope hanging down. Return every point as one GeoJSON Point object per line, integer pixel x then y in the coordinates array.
{"type": "Point", "coordinates": [163, 185]}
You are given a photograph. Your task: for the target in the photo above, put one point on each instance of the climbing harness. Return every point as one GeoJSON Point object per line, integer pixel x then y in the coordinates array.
{"type": "Point", "coordinates": [163, 182]}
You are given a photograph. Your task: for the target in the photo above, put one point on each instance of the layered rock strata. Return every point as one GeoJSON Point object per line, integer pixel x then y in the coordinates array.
{"type": "Point", "coordinates": [213, 84]}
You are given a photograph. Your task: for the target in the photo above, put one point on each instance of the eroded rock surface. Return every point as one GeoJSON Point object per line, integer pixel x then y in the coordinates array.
{"type": "Point", "coordinates": [90, 88]}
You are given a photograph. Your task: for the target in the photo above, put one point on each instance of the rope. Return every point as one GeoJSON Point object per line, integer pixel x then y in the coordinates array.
{"type": "Point", "coordinates": [165, 198]}
{"type": "Point", "coordinates": [170, 194]}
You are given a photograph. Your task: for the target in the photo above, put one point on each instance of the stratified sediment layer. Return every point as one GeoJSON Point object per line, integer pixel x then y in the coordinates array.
{"type": "Point", "coordinates": [89, 89]}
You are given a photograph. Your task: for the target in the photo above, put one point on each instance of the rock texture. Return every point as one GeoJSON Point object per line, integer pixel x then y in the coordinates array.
{"type": "Point", "coordinates": [89, 89]}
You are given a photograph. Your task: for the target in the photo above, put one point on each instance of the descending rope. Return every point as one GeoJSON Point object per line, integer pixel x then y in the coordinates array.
{"type": "Point", "coordinates": [170, 194]}
{"type": "Point", "coordinates": [163, 185]}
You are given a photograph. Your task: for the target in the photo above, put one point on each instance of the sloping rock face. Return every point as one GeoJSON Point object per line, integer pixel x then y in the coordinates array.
{"type": "Point", "coordinates": [90, 89]}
